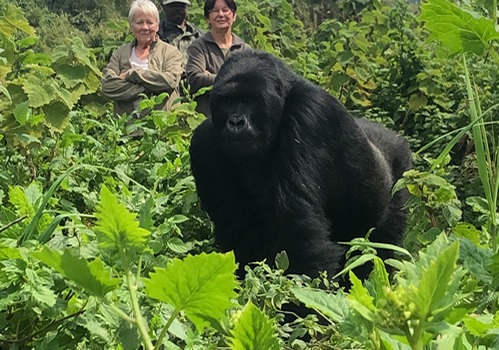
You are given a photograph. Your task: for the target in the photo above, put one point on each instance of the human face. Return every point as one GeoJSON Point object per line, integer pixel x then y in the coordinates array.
{"type": "Point", "coordinates": [221, 16]}
{"type": "Point", "coordinates": [144, 27]}
{"type": "Point", "coordinates": [175, 12]}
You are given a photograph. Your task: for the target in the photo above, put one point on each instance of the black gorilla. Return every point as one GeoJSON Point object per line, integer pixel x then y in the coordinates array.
{"type": "Point", "coordinates": [282, 165]}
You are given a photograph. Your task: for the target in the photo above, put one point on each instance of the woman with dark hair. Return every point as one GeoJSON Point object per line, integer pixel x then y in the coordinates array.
{"type": "Point", "coordinates": [208, 53]}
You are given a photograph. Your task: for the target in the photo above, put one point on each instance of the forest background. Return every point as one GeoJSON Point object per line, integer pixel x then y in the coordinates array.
{"type": "Point", "coordinates": [102, 241]}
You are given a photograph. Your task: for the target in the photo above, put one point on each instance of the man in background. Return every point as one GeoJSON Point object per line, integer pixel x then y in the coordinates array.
{"type": "Point", "coordinates": [174, 28]}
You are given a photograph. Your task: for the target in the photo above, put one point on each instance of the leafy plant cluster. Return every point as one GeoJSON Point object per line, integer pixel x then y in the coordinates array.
{"type": "Point", "coordinates": [103, 244]}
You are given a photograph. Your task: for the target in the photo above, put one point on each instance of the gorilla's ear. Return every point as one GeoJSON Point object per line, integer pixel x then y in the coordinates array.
{"type": "Point", "coordinates": [284, 79]}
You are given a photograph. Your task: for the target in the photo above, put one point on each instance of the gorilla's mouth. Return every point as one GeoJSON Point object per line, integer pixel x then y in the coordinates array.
{"type": "Point", "coordinates": [241, 147]}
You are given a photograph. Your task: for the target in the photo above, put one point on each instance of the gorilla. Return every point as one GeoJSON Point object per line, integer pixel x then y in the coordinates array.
{"type": "Point", "coordinates": [282, 165]}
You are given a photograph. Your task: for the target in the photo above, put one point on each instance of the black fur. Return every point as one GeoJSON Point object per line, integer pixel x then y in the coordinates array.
{"type": "Point", "coordinates": [282, 165]}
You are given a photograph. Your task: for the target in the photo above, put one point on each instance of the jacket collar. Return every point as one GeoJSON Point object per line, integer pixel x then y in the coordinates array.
{"type": "Point", "coordinates": [236, 41]}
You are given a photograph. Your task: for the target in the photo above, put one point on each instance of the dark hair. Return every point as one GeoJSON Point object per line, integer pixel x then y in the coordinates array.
{"type": "Point", "coordinates": [210, 4]}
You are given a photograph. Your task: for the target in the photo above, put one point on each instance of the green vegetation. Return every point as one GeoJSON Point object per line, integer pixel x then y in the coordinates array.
{"type": "Point", "coordinates": [103, 244]}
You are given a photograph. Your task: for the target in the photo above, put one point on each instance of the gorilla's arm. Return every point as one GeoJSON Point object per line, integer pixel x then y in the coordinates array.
{"type": "Point", "coordinates": [217, 184]}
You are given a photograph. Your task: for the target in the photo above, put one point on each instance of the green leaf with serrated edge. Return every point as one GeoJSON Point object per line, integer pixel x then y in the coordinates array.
{"type": "Point", "coordinates": [38, 289]}
{"type": "Point", "coordinates": [378, 280]}
{"type": "Point", "coordinates": [201, 286]}
{"type": "Point", "coordinates": [70, 75]}
{"type": "Point", "coordinates": [117, 229]}
{"type": "Point", "coordinates": [333, 306]}
{"type": "Point", "coordinates": [467, 231]}
{"type": "Point", "coordinates": [253, 330]}
{"type": "Point", "coordinates": [475, 259]}
{"type": "Point", "coordinates": [21, 112]}
{"type": "Point", "coordinates": [435, 281]}
{"type": "Point", "coordinates": [56, 115]}
{"type": "Point", "coordinates": [360, 300]}
{"type": "Point", "coordinates": [40, 91]}
{"type": "Point", "coordinates": [94, 277]}
{"type": "Point", "coordinates": [83, 54]}
{"type": "Point", "coordinates": [20, 200]}
{"type": "Point", "coordinates": [360, 293]}
{"type": "Point", "coordinates": [480, 325]}
{"type": "Point", "coordinates": [458, 30]}
{"type": "Point", "coordinates": [12, 19]}
{"type": "Point", "coordinates": [7, 252]}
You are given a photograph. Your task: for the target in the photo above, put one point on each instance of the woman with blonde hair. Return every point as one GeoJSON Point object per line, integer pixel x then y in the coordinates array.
{"type": "Point", "coordinates": [146, 65]}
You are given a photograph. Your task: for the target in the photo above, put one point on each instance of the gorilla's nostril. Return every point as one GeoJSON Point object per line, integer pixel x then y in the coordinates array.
{"type": "Point", "coordinates": [237, 123]}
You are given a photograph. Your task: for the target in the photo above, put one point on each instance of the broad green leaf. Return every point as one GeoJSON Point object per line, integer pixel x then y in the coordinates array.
{"type": "Point", "coordinates": [70, 75]}
{"type": "Point", "coordinates": [435, 280]}
{"type": "Point", "coordinates": [33, 58]}
{"type": "Point", "coordinates": [458, 30]}
{"type": "Point", "coordinates": [93, 277]}
{"type": "Point", "coordinates": [282, 260]}
{"type": "Point", "coordinates": [475, 259]}
{"type": "Point", "coordinates": [253, 330]}
{"type": "Point", "coordinates": [19, 198]}
{"type": "Point", "coordinates": [41, 91]}
{"type": "Point", "coordinates": [178, 246]}
{"type": "Point", "coordinates": [333, 306]}
{"type": "Point", "coordinates": [417, 101]}
{"type": "Point", "coordinates": [478, 204]}
{"type": "Point", "coordinates": [56, 115]}
{"type": "Point", "coordinates": [117, 229]}
{"type": "Point", "coordinates": [39, 288]}
{"type": "Point", "coordinates": [83, 54]}
{"type": "Point", "coordinates": [22, 112]}
{"type": "Point", "coordinates": [360, 299]}
{"type": "Point", "coordinates": [360, 293]}
{"type": "Point", "coordinates": [480, 325]}
{"type": "Point", "coordinates": [201, 286]}
{"type": "Point", "coordinates": [12, 19]}
{"type": "Point", "coordinates": [468, 231]}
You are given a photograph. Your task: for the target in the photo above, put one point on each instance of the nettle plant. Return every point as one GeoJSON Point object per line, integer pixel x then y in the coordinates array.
{"type": "Point", "coordinates": [99, 287]}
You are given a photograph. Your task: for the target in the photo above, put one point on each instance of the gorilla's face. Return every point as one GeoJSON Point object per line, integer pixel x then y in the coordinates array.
{"type": "Point", "coordinates": [246, 112]}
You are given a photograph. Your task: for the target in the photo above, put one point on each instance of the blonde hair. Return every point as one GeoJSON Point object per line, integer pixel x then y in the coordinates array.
{"type": "Point", "coordinates": [143, 6]}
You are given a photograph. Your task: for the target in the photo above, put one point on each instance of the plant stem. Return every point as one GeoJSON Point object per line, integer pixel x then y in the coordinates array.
{"type": "Point", "coordinates": [122, 314]}
{"type": "Point", "coordinates": [484, 161]}
{"type": "Point", "coordinates": [136, 311]}
{"type": "Point", "coordinates": [414, 338]}
{"type": "Point", "coordinates": [173, 316]}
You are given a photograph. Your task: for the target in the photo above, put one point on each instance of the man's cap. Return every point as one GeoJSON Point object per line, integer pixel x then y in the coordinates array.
{"type": "Point", "coordinates": [166, 2]}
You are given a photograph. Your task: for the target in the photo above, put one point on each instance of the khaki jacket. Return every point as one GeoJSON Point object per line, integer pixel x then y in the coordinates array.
{"type": "Point", "coordinates": [163, 75]}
